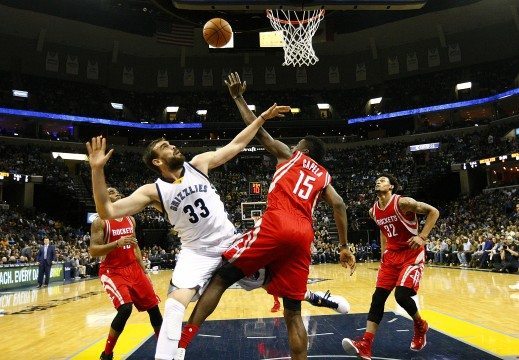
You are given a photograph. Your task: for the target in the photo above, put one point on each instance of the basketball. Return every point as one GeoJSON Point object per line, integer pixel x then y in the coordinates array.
{"type": "Point", "coordinates": [217, 32]}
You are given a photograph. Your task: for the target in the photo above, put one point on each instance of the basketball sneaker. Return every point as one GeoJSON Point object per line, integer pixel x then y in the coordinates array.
{"type": "Point", "coordinates": [335, 302]}
{"type": "Point", "coordinates": [276, 307]}
{"type": "Point", "coordinates": [181, 354]}
{"type": "Point", "coordinates": [360, 347]}
{"type": "Point", "coordinates": [106, 356]}
{"type": "Point", "coordinates": [419, 339]}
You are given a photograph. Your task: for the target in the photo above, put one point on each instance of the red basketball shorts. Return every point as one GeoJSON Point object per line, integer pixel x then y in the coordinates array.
{"type": "Point", "coordinates": [280, 242]}
{"type": "Point", "coordinates": [401, 268]}
{"type": "Point", "coordinates": [129, 284]}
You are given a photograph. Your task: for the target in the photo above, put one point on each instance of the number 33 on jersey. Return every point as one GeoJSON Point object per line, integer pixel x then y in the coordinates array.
{"type": "Point", "coordinates": [194, 208]}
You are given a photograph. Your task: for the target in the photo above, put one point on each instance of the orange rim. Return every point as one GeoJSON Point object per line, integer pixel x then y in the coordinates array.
{"type": "Point", "coordinates": [270, 15]}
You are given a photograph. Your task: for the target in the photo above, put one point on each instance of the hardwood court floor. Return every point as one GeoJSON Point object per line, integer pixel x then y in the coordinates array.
{"type": "Point", "coordinates": [71, 321]}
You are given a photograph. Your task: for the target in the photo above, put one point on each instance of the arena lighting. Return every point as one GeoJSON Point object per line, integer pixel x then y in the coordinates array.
{"type": "Point", "coordinates": [295, 110]}
{"type": "Point", "coordinates": [69, 156]}
{"type": "Point", "coordinates": [375, 101]}
{"type": "Point", "coordinates": [201, 112]}
{"type": "Point", "coordinates": [323, 106]}
{"type": "Point", "coordinates": [91, 120]}
{"type": "Point", "coordinates": [172, 109]}
{"type": "Point", "coordinates": [422, 147]}
{"type": "Point", "coordinates": [430, 109]}
{"type": "Point", "coordinates": [464, 86]}
{"type": "Point", "coordinates": [117, 106]}
{"type": "Point", "coordinates": [20, 93]}
{"type": "Point", "coordinates": [252, 107]}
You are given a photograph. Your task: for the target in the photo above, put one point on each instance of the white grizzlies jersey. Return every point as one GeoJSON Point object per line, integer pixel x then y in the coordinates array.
{"type": "Point", "coordinates": [195, 210]}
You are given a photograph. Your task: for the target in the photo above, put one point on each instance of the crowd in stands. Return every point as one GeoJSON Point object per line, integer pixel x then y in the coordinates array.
{"type": "Point", "coordinates": [477, 232]}
{"type": "Point", "coordinates": [480, 220]}
{"type": "Point", "coordinates": [58, 96]}
{"type": "Point", "coordinates": [22, 231]}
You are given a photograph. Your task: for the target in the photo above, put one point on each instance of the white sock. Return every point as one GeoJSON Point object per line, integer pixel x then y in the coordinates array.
{"type": "Point", "coordinates": [308, 293]}
{"type": "Point", "coordinates": [170, 331]}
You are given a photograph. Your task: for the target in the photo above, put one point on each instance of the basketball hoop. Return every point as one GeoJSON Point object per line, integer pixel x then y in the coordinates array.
{"type": "Point", "coordinates": [298, 31]}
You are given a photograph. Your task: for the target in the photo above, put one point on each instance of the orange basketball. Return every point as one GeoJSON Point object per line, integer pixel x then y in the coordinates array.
{"type": "Point", "coordinates": [217, 32]}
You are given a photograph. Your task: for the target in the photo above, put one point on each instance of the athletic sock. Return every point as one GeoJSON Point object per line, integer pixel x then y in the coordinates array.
{"type": "Point", "coordinates": [369, 336]}
{"type": "Point", "coordinates": [110, 343]}
{"type": "Point", "coordinates": [188, 333]}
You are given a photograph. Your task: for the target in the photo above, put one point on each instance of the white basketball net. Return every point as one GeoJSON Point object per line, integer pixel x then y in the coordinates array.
{"type": "Point", "coordinates": [298, 31]}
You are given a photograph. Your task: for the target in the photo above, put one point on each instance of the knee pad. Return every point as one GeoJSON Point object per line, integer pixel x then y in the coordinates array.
{"type": "Point", "coordinates": [291, 304]}
{"type": "Point", "coordinates": [173, 316]}
{"type": "Point", "coordinates": [378, 300]}
{"type": "Point", "coordinates": [403, 297]}
{"type": "Point", "coordinates": [155, 316]}
{"type": "Point", "coordinates": [229, 274]}
{"type": "Point", "coordinates": [123, 313]}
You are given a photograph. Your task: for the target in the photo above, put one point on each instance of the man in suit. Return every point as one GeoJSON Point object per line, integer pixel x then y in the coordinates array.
{"type": "Point", "coordinates": [46, 255]}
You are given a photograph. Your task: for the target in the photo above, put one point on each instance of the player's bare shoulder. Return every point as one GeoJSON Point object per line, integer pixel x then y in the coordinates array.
{"type": "Point", "coordinates": [201, 162]}
{"type": "Point", "coordinates": [150, 191]}
{"type": "Point", "coordinates": [98, 223]}
{"type": "Point", "coordinates": [97, 231]}
{"type": "Point", "coordinates": [408, 204]}
{"type": "Point", "coordinates": [370, 212]}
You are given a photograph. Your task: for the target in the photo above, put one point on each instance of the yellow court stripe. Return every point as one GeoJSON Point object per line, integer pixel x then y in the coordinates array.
{"type": "Point", "coordinates": [478, 336]}
{"type": "Point", "coordinates": [131, 338]}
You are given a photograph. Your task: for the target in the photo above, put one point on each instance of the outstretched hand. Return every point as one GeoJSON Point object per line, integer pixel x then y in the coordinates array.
{"type": "Point", "coordinates": [236, 87]}
{"type": "Point", "coordinates": [275, 111]}
{"type": "Point", "coordinates": [96, 149]}
{"type": "Point", "coordinates": [347, 260]}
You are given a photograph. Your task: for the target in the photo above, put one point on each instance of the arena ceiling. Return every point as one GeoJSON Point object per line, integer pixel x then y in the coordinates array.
{"type": "Point", "coordinates": [94, 19]}
{"type": "Point", "coordinates": [137, 16]}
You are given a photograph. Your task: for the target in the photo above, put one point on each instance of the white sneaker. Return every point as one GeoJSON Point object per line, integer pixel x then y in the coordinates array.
{"type": "Point", "coordinates": [181, 354]}
{"type": "Point", "coordinates": [335, 302]}
{"type": "Point", "coordinates": [514, 287]}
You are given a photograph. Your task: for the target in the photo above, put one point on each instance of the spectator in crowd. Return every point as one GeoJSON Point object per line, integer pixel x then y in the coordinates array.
{"type": "Point", "coordinates": [509, 257]}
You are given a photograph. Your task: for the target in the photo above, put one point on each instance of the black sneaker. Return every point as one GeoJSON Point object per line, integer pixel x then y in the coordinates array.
{"type": "Point", "coordinates": [335, 302]}
{"type": "Point", "coordinates": [106, 356]}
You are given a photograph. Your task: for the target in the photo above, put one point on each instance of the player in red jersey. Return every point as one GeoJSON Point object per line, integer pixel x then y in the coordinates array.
{"type": "Point", "coordinates": [401, 264]}
{"type": "Point", "coordinates": [280, 240]}
{"type": "Point", "coordinates": [122, 273]}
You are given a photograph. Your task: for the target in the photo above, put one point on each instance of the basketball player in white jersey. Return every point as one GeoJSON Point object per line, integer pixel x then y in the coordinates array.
{"type": "Point", "coordinates": [184, 194]}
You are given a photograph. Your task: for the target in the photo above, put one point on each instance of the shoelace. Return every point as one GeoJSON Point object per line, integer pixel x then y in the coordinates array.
{"type": "Point", "coordinates": [325, 301]}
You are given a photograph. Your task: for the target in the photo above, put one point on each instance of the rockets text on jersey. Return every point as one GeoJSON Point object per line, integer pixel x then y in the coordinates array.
{"type": "Point", "coordinates": [397, 227]}
{"type": "Point", "coordinates": [114, 230]}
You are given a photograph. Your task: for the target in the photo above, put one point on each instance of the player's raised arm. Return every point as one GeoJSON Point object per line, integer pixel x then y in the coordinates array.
{"type": "Point", "coordinates": [236, 88]}
{"type": "Point", "coordinates": [212, 159]}
{"type": "Point", "coordinates": [138, 200]}
{"type": "Point", "coordinates": [340, 216]}
{"type": "Point", "coordinates": [408, 204]}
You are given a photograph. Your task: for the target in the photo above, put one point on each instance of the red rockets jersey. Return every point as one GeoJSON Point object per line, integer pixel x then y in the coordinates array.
{"type": "Point", "coordinates": [396, 226]}
{"type": "Point", "coordinates": [296, 185]}
{"type": "Point", "coordinates": [114, 230]}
